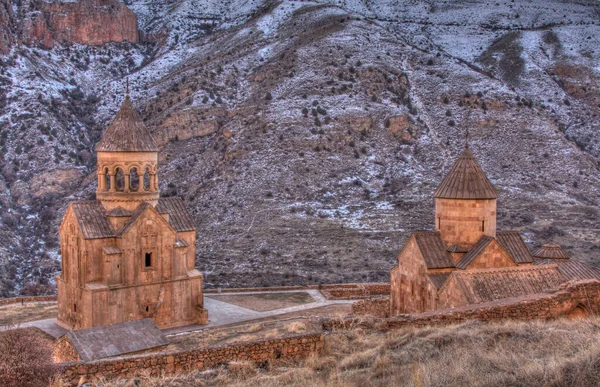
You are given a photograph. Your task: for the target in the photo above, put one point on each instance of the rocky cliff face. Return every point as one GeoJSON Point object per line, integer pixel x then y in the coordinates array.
{"type": "Point", "coordinates": [7, 26]}
{"type": "Point", "coordinates": [308, 137]}
{"type": "Point", "coordinates": [87, 22]}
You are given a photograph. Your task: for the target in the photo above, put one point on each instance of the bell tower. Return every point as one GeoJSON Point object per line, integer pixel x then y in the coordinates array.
{"type": "Point", "coordinates": [127, 162]}
{"type": "Point", "coordinates": [465, 203]}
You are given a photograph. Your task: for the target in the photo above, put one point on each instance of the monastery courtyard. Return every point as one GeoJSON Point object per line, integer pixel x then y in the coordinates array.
{"type": "Point", "coordinates": [225, 309]}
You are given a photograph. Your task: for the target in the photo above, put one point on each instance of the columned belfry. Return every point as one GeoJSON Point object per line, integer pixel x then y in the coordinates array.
{"type": "Point", "coordinates": [127, 162]}
{"type": "Point", "coordinates": [129, 254]}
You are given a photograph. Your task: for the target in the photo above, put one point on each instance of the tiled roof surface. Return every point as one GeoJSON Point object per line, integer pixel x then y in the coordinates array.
{"type": "Point", "coordinates": [134, 217]}
{"type": "Point", "coordinates": [92, 219]}
{"type": "Point", "coordinates": [474, 251]}
{"type": "Point", "coordinates": [127, 133]}
{"type": "Point", "coordinates": [466, 180]}
{"type": "Point", "coordinates": [181, 243]}
{"type": "Point", "coordinates": [433, 249]}
{"type": "Point", "coordinates": [111, 250]}
{"type": "Point", "coordinates": [119, 212]}
{"type": "Point", "coordinates": [551, 250]}
{"type": "Point", "coordinates": [495, 284]}
{"type": "Point", "coordinates": [118, 339]}
{"type": "Point", "coordinates": [456, 248]}
{"type": "Point", "coordinates": [572, 269]}
{"type": "Point", "coordinates": [438, 279]}
{"type": "Point", "coordinates": [179, 217]}
{"type": "Point", "coordinates": [515, 246]}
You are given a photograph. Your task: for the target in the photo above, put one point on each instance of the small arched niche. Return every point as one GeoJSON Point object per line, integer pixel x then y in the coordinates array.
{"type": "Point", "coordinates": [106, 179]}
{"type": "Point", "coordinates": [134, 179]}
{"type": "Point", "coordinates": [578, 313]}
{"type": "Point", "coordinates": [120, 180]}
{"type": "Point", "coordinates": [147, 179]}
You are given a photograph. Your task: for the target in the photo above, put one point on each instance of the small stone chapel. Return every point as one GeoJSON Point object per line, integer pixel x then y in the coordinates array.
{"type": "Point", "coordinates": [129, 254]}
{"type": "Point", "coordinates": [466, 260]}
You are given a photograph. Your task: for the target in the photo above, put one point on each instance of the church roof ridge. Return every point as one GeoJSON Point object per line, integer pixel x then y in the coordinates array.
{"type": "Point", "coordinates": [466, 180]}
{"type": "Point", "coordinates": [127, 133]}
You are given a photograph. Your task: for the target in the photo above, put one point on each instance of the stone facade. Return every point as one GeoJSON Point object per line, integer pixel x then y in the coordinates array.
{"type": "Point", "coordinates": [464, 222]}
{"type": "Point", "coordinates": [129, 254]}
{"type": "Point", "coordinates": [167, 363]}
{"type": "Point", "coordinates": [428, 275]}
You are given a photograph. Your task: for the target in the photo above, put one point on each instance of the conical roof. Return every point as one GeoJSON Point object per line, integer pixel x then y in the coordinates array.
{"type": "Point", "coordinates": [127, 133]}
{"type": "Point", "coordinates": [551, 251]}
{"type": "Point", "coordinates": [466, 180]}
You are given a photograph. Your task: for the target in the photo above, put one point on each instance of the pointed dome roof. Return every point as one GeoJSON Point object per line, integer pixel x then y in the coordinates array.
{"type": "Point", "coordinates": [127, 133]}
{"type": "Point", "coordinates": [466, 180]}
{"type": "Point", "coordinates": [551, 251]}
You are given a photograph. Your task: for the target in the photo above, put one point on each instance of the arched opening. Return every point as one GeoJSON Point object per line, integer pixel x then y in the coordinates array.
{"type": "Point", "coordinates": [134, 182]}
{"type": "Point", "coordinates": [578, 313]}
{"type": "Point", "coordinates": [106, 180]}
{"type": "Point", "coordinates": [147, 180]}
{"type": "Point", "coordinates": [120, 180]}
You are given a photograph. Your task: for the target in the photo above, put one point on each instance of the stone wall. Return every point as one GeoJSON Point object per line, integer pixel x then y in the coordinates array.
{"type": "Point", "coordinates": [465, 221]}
{"type": "Point", "coordinates": [578, 299]}
{"type": "Point", "coordinates": [573, 299]}
{"type": "Point", "coordinates": [165, 363]}
{"type": "Point", "coordinates": [411, 290]}
{"type": "Point", "coordinates": [19, 300]}
{"type": "Point", "coordinates": [377, 307]}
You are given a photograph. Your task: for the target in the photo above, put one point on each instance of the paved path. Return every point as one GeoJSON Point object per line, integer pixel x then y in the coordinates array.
{"type": "Point", "coordinates": [219, 313]}
{"type": "Point", "coordinates": [222, 313]}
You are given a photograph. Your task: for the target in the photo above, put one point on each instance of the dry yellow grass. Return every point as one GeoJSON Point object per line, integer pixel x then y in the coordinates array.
{"type": "Point", "coordinates": [555, 353]}
{"type": "Point", "coordinates": [17, 314]}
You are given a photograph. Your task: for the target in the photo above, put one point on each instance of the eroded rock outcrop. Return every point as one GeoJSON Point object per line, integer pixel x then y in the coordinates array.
{"type": "Point", "coordinates": [7, 24]}
{"type": "Point", "coordinates": [90, 22]}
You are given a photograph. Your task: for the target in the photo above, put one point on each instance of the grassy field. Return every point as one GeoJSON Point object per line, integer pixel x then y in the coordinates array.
{"type": "Point", "coordinates": [16, 313]}
{"type": "Point", "coordinates": [558, 353]}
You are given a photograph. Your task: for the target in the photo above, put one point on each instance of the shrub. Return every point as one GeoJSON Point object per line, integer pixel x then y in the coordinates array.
{"type": "Point", "coordinates": [25, 358]}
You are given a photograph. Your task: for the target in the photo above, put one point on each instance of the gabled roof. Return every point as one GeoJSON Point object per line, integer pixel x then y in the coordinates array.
{"type": "Point", "coordinates": [474, 251]}
{"type": "Point", "coordinates": [179, 217]}
{"type": "Point", "coordinates": [115, 340]}
{"type": "Point", "coordinates": [494, 284]}
{"type": "Point", "coordinates": [456, 248]}
{"type": "Point", "coordinates": [515, 246]}
{"type": "Point", "coordinates": [438, 279]}
{"type": "Point", "coordinates": [127, 133]}
{"type": "Point", "coordinates": [142, 208]}
{"type": "Point", "coordinates": [92, 219]}
{"type": "Point", "coordinates": [552, 251]}
{"type": "Point", "coordinates": [466, 180]}
{"type": "Point", "coordinates": [433, 250]}
{"type": "Point", "coordinates": [119, 212]}
{"type": "Point", "coordinates": [572, 269]}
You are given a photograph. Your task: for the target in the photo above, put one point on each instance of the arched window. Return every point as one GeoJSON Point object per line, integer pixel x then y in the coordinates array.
{"type": "Point", "coordinates": [147, 180]}
{"type": "Point", "coordinates": [120, 184]}
{"type": "Point", "coordinates": [106, 179]}
{"type": "Point", "coordinates": [134, 182]}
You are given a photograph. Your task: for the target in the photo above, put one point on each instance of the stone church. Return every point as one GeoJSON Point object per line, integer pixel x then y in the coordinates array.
{"type": "Point", "coordinates": [129, 254]}
{"type": "Point", "coordinates": [466, 260]}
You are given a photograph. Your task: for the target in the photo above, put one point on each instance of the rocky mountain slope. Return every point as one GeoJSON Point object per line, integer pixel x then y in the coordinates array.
{"type": "Point", "coordinates": [306, 137]}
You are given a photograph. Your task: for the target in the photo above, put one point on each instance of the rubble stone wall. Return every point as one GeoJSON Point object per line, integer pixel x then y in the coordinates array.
{"type": "Point", "coordinates": [18, 300]}
{"type": "Point", "coordinates": [165, 363]}
{"type": "Point", "coordinates": [569, 301]}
